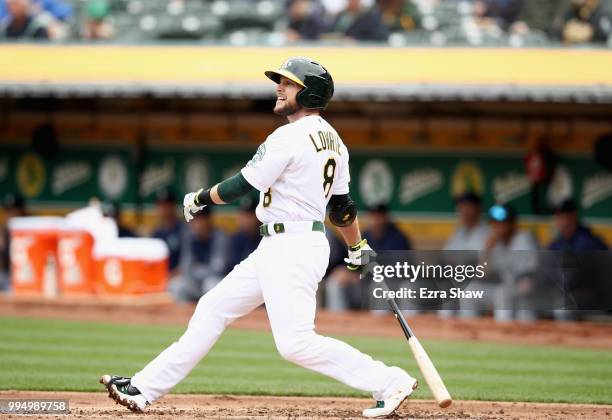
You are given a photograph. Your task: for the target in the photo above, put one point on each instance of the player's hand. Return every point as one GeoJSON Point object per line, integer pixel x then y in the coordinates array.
{"type": "Point", "coordinates": [190, 205]}
{"type": "Point", "coordinates": [356, 255]}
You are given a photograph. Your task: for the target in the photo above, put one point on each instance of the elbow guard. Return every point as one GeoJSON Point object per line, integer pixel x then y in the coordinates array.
{"type": "Point", "coordinates": [342, 210]}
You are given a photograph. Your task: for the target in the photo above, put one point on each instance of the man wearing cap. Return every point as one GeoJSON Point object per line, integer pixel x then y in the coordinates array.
{"type": "Point", "coordinates": [471, 233]}
{"type": "Point", "coordinates": [509, 273]}
{"type": "Point", "coordinates": [382, 234]}
{"type": "Point", "coordinates": [571, 234]}
{"type": "Point", "coordinates": [574, 237]}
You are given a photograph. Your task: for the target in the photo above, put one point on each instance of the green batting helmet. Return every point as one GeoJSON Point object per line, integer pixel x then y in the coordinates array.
{"type": "Point", "coordinates": [314, 78]}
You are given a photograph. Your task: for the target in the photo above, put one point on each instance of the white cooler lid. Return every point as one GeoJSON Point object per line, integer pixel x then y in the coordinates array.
{"type": "Point", "coordinates": [91, 219]}
{"type": "Point", "coordinates": [42, 223]}
{"type": "Point", "coordinates": [145, 249]}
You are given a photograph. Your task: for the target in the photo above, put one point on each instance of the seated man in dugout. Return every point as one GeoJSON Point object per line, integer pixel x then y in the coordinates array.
{"type": "Point", "coordinates": [470, 234]}
{"type": "Point", "coordinates": [204, 254]}
{"type": "Point", "coordinates": [572, 238]}
{"type": "Point", "coordinates": [510, 273]}
{"type": "Point", "coordinates": [344, 289]}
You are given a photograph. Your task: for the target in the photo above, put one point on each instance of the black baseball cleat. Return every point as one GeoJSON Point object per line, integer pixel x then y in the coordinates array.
{"type": "Point", "coordinates": [123, 392]}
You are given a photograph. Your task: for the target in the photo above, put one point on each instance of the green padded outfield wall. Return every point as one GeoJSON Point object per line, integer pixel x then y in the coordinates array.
{"type": "Point", "coordinates": [411, 182]}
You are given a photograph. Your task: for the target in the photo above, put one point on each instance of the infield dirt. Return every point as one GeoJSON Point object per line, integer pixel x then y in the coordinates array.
{"type": "Point", "coordinates": [98, 406]}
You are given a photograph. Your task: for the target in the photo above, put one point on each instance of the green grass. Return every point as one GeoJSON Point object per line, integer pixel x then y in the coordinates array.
{"type": "Point", "coordinates": [59, 355]}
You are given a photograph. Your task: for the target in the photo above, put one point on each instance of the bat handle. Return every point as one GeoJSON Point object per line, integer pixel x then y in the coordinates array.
{"type": "Point", "coordinates": [400, 318]}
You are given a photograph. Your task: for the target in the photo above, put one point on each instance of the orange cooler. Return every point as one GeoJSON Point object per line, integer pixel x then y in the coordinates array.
{"type": "Point", "coordinates": [75, 261]}
{"type": "Point", "coordinates": [131, 266]}
{"type": "Point", "coordinates": [34, 254]}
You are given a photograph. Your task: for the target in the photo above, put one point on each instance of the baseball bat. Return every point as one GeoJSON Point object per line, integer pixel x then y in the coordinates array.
{"type": "Point", "coordinates": [428, 370]}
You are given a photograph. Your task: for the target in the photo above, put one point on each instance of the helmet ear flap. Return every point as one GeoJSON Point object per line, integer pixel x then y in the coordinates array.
{"type": "Point", "coordinates": [315, 99]}
{"type": "Point", "coordinates": [308, 99]}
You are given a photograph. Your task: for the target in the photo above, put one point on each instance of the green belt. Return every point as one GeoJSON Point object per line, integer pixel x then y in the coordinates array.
{"type": "Point", "coordinates": [280, 228]}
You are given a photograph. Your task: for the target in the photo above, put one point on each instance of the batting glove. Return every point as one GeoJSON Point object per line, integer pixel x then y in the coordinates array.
{"type": "Point", "coordinates": [190, 205]}
{"type": "Point", "coordinates": [356, 259]}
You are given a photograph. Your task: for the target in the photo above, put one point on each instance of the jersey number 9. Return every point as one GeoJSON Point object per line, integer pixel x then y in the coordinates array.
{"type": "Point", "coordinates": [329, 170]}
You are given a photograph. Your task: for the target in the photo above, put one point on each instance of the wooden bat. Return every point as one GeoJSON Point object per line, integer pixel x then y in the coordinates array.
{"type": "Point", "coordinates": [428, 370]}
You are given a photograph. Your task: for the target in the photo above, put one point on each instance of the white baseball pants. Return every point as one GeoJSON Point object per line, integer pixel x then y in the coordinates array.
{"type": "Point", "coordinates": [283, 272]}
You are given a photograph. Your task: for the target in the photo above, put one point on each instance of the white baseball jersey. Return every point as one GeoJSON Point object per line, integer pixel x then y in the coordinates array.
{"type": "Point", "coordinates": [297, 169]}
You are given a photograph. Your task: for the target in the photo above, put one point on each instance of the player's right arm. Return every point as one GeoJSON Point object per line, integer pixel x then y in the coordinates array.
{"type": "Point", "coordinates": [270, 160]}
{"type": "Point", "coordinates": [224, 192]}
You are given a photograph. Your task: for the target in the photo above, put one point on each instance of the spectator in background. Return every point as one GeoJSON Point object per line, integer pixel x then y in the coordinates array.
{"type": "Point", "coordinates": [56, 15]}
{"type": "Point", "coordinates": [56, 8]}
{"type": "Point", "coordinates": [537, 16]}
{"type": "Point", "coordinates": [585, 21]}
{"type": "Point", "coordinates": [382, 234]}
{"type": "Point", "coordinates": [581, 285]}
{"type": "Point", "coordinates": [203, 259]}
{"type": "Point", "coordinates": [501, 13]}
{"type": "Point", "coordinates": [510, 274]}
{"type": "Point", "coordinates": [400, 15]}
{"type": "Point", "coordinates": [21, 22]}
{"type": "Point", "coordinates": [361, 23]}
{"type": "Point", "coordinates": [571, 234]}
{"type": "Point", "coordinates": [540, 164]}
{"type": "Point", "coordinates": [471, 233]}
{"type": "Point", "coordinates": [113, 210]}
{"type": "Point", "coordinates": [97, 26]}
{"type": "Point", "coordinates": [14, 206]}
{"type": "Point", "coordinates": [307, 20]}
{"type": "Point", "coordinates": [50, 11]}
{"type": "Point", "coordinates": [343, 288]}
{"type": "Point", "coordinates": [243, 242]}
{"type": "Point", "coordinates": [169, 228]}
{"type": "Point", "coordinates": [333, 7]}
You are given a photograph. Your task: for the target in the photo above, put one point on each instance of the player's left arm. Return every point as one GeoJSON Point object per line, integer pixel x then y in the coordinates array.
{"type": "Point", "coordinates": [222, 193]}
{"type": "Point", "coordinates": [343, 215]}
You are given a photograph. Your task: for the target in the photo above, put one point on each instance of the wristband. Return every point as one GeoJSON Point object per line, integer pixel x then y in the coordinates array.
{"type": "Point", "coordinates": [359, 245]}
{"type": "Point", "coordinates": [203, 198]}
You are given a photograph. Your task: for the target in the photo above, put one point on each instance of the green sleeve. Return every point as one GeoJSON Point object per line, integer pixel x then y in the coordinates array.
{"type": "Point", "coordinates": [228, 190]}
{"type": "Point", "coordinates": [234, 188]}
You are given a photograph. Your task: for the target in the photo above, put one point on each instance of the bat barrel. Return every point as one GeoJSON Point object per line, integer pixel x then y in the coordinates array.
{"type": "Point", "coordinates": [428, 370]}
{"type": "Point", "coordinates": [430, 373]}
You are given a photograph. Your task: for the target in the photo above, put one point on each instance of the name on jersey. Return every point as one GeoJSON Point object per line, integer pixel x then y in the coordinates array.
{"type": "Point", "coordinates": [325, 140]}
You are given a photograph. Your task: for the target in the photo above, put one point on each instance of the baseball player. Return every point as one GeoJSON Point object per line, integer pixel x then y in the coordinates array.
{"type": "Point", "coordinates": [299, 171]}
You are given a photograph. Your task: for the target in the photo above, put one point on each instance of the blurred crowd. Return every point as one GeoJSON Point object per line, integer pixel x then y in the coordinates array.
{"type": "Point", "coordinates": [201, 253]}
{"type": "Point", "coordinates": [278, 22]}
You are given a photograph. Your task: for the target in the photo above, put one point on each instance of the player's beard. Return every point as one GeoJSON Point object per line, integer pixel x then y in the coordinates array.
{"type": "Point", "coordinates": [286, 109]}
